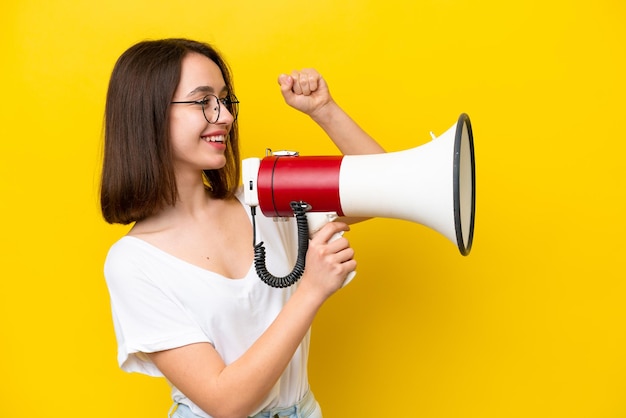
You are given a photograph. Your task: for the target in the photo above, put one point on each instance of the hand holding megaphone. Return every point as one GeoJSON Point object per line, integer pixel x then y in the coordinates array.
{"type": "Point", "coordinates": [316, 221]}
{"type": "Point", "coordinates": [433, 185]}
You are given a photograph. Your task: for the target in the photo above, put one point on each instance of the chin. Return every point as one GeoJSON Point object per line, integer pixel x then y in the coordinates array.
{"type": "Point", "coordinates": [216, 165]}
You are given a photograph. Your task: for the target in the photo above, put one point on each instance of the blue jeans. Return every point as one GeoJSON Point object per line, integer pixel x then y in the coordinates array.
{"type": "Point", "coordinates": [307, 407]}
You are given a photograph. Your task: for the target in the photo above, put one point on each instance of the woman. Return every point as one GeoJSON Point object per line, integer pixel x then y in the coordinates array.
{"type": "Point", "coordinates": [186, 303]}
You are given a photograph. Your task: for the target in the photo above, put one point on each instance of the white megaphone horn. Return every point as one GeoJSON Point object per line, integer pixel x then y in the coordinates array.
{"type": "Point", "coordinates": [433, 184]}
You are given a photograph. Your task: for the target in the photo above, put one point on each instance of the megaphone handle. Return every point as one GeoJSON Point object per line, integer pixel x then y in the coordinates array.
{"type": "Point", "coordinates": [349, 278]}
{"type": "Point", "coordinates": [316, 221]}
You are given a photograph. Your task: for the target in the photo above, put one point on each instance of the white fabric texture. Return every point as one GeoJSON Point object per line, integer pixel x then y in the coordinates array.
{"type": "Point", "coordinates": [161, 302]}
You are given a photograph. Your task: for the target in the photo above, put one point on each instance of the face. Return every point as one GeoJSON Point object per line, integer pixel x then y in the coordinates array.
{"type": "Point", "coordinates": [197, 144]}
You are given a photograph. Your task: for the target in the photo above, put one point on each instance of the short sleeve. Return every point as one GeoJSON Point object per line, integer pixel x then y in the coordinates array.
{"type": "Point", "coordinates": [146, 317]}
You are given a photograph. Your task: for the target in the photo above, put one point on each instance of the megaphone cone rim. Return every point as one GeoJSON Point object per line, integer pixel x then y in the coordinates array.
{"type": "Point", "coordinates": [464, 121]}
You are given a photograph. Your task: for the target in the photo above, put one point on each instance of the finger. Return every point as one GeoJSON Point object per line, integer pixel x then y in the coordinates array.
{"type": "Point", "coordinates": [336, 246]}
{"type": "Point", "coordinates": [347, 264]}
{"type": "Point", "coordinates": [314, 80]}
{"type": "Point", "coordinates": [297, 88]}
{"type": "Point", "coordinates": [350, 265]}
{"type": "Point", "coordinates": [286, 84]}
{"type": "Point", "coordinates": [329, 230]}
{"type": "Point", "coordinates": [344, 255]}
{"type": "Point", "coordinates": [285, 81]}
{"type": "Point", "coordinates": [305, 82]}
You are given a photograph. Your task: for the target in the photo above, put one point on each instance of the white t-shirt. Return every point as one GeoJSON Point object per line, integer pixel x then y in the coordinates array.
{"type": "Point", "coordinates": [160, 302]}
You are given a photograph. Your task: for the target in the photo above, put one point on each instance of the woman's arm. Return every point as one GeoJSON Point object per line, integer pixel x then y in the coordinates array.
{"type": "Point", "coordinates": [237, 389]}
{"type": "Point", "coordinates": [308, 92]}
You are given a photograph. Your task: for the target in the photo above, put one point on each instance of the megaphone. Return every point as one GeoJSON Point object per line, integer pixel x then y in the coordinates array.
{"type": "Point", "coordinates": [433, 185]}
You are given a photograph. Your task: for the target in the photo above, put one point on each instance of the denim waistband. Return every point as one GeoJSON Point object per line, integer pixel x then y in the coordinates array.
{"type": "Point", "coordinates": [301, 409]}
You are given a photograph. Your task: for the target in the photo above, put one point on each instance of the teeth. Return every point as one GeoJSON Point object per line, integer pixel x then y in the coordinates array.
{"type": "Point", "coordinates": [219, 138]}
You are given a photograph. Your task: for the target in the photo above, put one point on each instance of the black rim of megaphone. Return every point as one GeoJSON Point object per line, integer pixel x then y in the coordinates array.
{"type": "Point", "coordinates": [463, 121]}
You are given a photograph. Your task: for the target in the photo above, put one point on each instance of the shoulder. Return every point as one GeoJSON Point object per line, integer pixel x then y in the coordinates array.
{"type": "Point", "coordinates": [124, 249]}
{"type": "Point", "coordinates": [127, 258]}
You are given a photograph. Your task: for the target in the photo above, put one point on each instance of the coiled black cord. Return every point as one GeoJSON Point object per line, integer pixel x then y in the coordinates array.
{"type": "Point", "coordinates": [299, 210]}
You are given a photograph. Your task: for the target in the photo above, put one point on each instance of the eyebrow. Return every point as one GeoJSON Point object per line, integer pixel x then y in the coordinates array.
{"type": "Point", "coordinates": [205, 89]}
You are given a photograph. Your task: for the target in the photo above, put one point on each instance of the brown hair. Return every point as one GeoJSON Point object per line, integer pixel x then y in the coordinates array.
{"type": "Point", "coordinates": [137, 174]}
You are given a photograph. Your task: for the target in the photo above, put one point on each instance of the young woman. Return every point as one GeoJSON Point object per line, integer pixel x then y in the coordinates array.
{"type": "Point", "coordinates": [186, 301]}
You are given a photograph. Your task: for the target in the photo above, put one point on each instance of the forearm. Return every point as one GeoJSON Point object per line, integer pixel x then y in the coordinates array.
{"type": "Point", "coordinates": [235, 390]}
{"type": "Point", "coordinates": [252, 376]}
{"type": "Point", "coordinates": [347, 135]}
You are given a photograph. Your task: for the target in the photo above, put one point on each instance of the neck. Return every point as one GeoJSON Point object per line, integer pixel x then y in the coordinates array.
{"type": "Point", "coordinates": [193, 197]}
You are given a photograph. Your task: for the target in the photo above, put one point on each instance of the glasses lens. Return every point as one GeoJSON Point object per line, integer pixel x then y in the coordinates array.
{"type": "Point", "coordinates": [211, 109]}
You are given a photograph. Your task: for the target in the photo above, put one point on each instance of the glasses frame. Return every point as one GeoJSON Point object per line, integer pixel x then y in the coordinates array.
{"type": "Point", "coordinates": [230, 102]}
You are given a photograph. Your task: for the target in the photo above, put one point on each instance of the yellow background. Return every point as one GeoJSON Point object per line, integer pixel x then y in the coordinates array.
{"type": "Point", "coordinates": [531, 324]}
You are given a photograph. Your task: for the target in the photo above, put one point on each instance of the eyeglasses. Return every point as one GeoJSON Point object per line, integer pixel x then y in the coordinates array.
{"type": "Point", "coordinates": [211, 106]}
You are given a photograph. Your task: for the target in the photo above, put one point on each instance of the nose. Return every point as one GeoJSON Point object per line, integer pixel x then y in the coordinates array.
{"type": "Point", "coordinates": [225, 117]}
